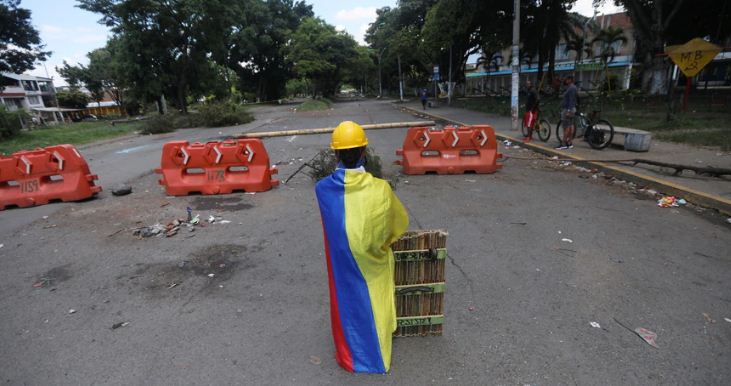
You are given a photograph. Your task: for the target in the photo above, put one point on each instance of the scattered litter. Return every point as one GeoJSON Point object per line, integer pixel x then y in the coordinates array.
{"type": "Point", "coordinates": [507, 143]}
{"type": "Point", "coordinates": [211, 219]}
{"type": "Point", "coordinates": [470, 180]}
{"type": "Point", "coordinates": [164, 204]}
{"type": "Point", "coordinates": [582, 169]}
{"type": "Point", "coordinates": [45, 217]}
{"type": "Point", "coordinates": [516, 147]}
{"type": "Point", "coordinates": [250, 193]}
{"type": "Point", "coordinates": [567, 240]}
{"type": "Point", "coordinates": [471, 308]}
{"type": "Point", "coordinates": [670, 202]}
{"type": "Point", "coordinates": [72, 311]}
{"type": "Point", "coordinates": [648, 336]}
{"type": "Point", "coordinates": [728, 220]}
{"type": "Point", "coordinates": [220, 286]}
{"type": "Point", "coordinates": [225, 222]}
{"type": "Point", "coordinates": [211, 274]}
{"type": "Point", "coordinates": [565, 163]}
{"type": "Point", "coordinates": [120, 324]}
{"type": "Point", "coordinates": [727, 319]}
{"type": "Point", "coordinates": [554, 157]}
{"type": "Point", "coordinates": [595, 325]}
{"type": "Point", "coordinates": [559, 232]}
{"type": "Point", "coordinates": [2, 245]}
{"type": "Point", "coordinates": [122, 190]}
{"type": "Point", "coordinates": [195, 220]}
{"type": "Point", "coordinates": [173, 285]}
{"type": "Point", "coordinates": [708, 318]}
{"type": "Point", "coordinates": [315, 360]}
{"type": "Point", "coordinates": [150, 231]}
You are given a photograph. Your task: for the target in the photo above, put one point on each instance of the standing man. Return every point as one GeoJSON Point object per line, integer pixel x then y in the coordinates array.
{"type": "Point", "coordinates": [361, 218]}
{"type": "Point", "coordinates": [568, 110]}
{"type": "Point", "coordinates": [423, 96]}
{"type": "Point", "coordinates": [531, 110]}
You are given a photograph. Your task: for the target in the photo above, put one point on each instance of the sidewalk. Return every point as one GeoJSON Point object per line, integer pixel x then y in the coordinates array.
{"type": "Point", "coordinates": [707, 191]}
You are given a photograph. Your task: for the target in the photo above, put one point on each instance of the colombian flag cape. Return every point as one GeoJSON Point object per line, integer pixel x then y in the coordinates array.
{"type": "Point", "coordinates": [361, 217]}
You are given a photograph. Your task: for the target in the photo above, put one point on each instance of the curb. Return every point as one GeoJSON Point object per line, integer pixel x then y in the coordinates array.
{"type": "Point", "coordinates": [704, 199]}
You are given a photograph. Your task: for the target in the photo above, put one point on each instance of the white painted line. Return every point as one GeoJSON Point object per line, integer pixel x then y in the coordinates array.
{"type": "Point", "coordinates": [484, 138]}
{"type": "Point", "coordinates": [134, 149]}
{"type": "Point", "coordinates": [27, 164]}
{"type": "Point", "coordinates": [251, 152]}
{"type": "Point", "coordinates": [59, 159]}
{"type": "Point", "coordinates": [218, 154]}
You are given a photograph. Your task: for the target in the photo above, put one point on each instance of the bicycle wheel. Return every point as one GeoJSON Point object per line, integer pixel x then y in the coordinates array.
{"type": "Point", "coordinates": [544, 130]}
{"type": "Point", "coordinates": [601, 134]}
{"type": "Point", "coordinates": [523, 128]}
{"type": "Point", "coordinates": [559, 132]}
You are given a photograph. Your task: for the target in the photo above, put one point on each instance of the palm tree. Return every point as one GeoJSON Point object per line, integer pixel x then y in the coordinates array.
{"type": "Point", "coordinates": [607, 39]}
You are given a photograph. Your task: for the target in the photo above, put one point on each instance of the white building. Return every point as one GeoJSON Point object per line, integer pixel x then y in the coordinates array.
{"type": "Point", "coordinates": [34, 94]}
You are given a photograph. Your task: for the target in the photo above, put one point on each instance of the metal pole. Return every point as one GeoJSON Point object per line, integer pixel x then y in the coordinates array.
{"type": "Point", "coordinates": [515, 65]}
{"type": "Point", "coordinates": [449, 81]}
{"type": "Point", "coordinates": [400, 79]}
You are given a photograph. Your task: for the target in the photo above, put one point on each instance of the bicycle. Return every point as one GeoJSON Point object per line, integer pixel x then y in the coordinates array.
{"type": "Point", "coordinates": [599, 133]}
{"type": "Point", "coordinates": [543, 130]}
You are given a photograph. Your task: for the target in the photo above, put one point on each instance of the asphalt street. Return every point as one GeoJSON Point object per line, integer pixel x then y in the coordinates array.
{"type": "Point", "coordinates": [537, 252]}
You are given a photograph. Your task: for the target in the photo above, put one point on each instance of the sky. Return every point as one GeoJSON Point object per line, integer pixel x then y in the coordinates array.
{"type": "Point", "coordinates": [70, 33]}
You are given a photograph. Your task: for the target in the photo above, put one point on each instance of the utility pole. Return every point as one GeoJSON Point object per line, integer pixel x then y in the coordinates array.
{"type": "Point", "coordinates": [515, 65]}
{"type": "Point", "coordinates": [380, 84]}
{"type": "Point", "coordinates": [400, 79]}
{"type": "Point", "coordinates": [449, 81]}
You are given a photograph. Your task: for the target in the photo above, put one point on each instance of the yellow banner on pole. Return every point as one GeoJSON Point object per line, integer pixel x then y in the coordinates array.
{"type": "Point", "coordinates": [692, 56]}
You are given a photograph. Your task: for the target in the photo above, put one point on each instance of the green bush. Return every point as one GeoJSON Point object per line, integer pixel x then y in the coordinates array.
{"type": "Point", "coordinates": [325, 162]}
{"type": "Point", "coordinates": [72, 99]}
{"type": "Point", "coordinates": [11, 122]}
{"type": "Point", "coordinates": [163, 123]}
{"type": "Point", "coordinates": [220, 114]}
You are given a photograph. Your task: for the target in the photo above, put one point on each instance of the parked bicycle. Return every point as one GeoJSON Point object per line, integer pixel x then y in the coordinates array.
{"type": "Point", "coordinates": [599, 133]}
{"type": "Point", "coordinates": [540, 126]}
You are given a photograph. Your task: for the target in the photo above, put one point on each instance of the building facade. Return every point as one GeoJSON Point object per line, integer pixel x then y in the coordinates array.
{"type": "Point", "coordinates": [26, 92]}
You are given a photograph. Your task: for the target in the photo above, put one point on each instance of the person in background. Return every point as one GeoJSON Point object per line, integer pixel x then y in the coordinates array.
{"type": "Point", "coordinates": [531, 110]}
{"type": "Point", "coordinates": [424, 97]}
{"type": "Point", "coordinates": [568, 111]}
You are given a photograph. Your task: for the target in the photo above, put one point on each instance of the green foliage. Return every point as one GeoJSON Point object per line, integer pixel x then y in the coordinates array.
{"type": "Point", "coordinates": [11, 122]}
{"type": "Point", "coordinates": [75, 133]}
{"type": "Point", "coordinates": [207, 115]}
{"type": "Point", "coordinates": [324, 163]}
{"type": "Point", "coordinates": [220, 114]}
{"type": "Point", "coordinates": [320, 53]}
{"type": "Point", "coordinates": [72, 99]}
{"type": "Point", "coordinates": [298, 87]}
{"type": "Point", "coordinates": [20, 44]}
{"type": "Point", "coordinates": [314, 105]}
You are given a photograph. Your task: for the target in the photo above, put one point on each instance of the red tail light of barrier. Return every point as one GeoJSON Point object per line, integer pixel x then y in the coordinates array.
{"type": "Point", "coordinates": [452, 150]}
{"type": "Point", "coordinates": [37, 177]}
{"type": "Point", "coordinates": [216, 167]}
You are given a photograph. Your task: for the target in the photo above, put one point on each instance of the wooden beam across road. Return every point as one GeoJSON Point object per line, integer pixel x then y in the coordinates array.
{"type": "Point", "coordinates": [325, 130]}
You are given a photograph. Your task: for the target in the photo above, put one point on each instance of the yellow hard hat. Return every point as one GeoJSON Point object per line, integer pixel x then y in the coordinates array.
{"type": "Point", "coordinates": [348, 135]}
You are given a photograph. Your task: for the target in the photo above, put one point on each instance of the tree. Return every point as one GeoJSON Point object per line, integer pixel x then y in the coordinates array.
{"type": "Point", "coordinates": [20, 45]}
{"type": "Point", "coordinates": [72, 99]}
{"type": "Point", "coordinates": [256, 48]}
{"type": "Point", "coordinates": [320, 53]}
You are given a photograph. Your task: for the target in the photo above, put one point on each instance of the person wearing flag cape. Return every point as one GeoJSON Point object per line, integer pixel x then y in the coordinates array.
{"type": "Point", "coordinates": [361, 218]}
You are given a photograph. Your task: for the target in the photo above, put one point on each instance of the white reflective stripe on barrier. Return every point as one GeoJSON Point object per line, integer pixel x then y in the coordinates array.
{"type": "Point", "coordinates": [27, 164]}
{"type": "Point", "coordinates": [186, 157]}
{"type": "Point", "coordinates": [456, 138]}
{"type": "Point", "coordinates": [484, 138]}
{"type": "Point", "coordinates": [426, 134]}
{"type": "Point", "coordinates": [251, 152]}
{"type": "Point", "coordinates": [218, 154]}
{"type": "Point", "coordinates": [59, 159]}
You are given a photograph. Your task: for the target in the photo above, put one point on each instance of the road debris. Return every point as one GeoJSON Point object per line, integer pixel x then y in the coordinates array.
{"type": "Point", "coordinates": [648, 336]}
{"type": "Point", "coordinates": [727, 319]}
{"type": "Point", "coordinates": [507, 143]}
{"type": "Point", "coordinates": [211, 275]}
{"type": "Point", "coordinates": [567, 240]}
{"type": "Point", "coordinates": [595, 325]}
{"type": "Point", "coordinates": [2, 245]}
{"type": "Point", "coordinates": [670, 202]}
{"type": "Point", "coordinates": [119, 325]}
{"type": "Point", "coordinates": [122, 190]}
{"type": "Point", "coordinates": [315, 360]}
{"type": "Point", "coordinates": [72, 311]}
{"type": "Point", "coordinates": [708, 318]}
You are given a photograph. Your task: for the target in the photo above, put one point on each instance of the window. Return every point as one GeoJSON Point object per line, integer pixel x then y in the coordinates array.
{"type": "Point", "coordinates": [561, 53]}
{"type": "Point", "coordinates": [34, 100]}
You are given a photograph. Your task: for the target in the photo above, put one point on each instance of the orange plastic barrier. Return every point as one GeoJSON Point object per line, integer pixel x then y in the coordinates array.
{"type": "Point", "coordinates": [452, 150]}
{"type": "Point", "coordinates": [215, 167]}
{"type": "Point", "coordinates": [37, 177]}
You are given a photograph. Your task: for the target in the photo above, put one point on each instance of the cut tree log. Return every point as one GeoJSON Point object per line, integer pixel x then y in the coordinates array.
{"type": "Point", "coordinates": [325, 130]}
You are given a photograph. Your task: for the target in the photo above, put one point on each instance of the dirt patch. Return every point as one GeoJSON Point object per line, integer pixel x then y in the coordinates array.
{"type": "Point", "coordinates": [210, 266]}
{"type": "Point", "coordinates": [229, 204]}
{"type": "Point", "coordinates": [53, 276]}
